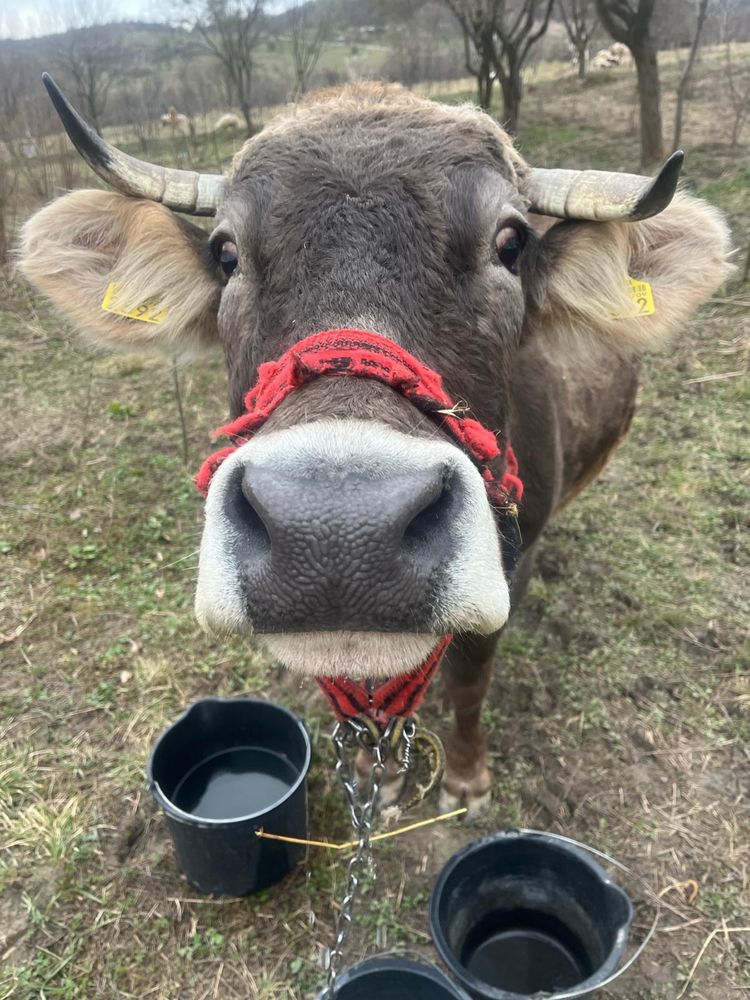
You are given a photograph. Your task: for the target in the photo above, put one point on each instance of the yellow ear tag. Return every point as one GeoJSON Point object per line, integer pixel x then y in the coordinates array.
{"type": "Point", "coordinates": [149, 311]}
{"type": "Point", "coordinates": [642, 295]}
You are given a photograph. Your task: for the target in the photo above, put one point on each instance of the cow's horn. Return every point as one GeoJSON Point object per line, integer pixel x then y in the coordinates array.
{"type": "Point", "coordinates": [183, 190]}
{"type": "Point", "coordinates": [601, 196]}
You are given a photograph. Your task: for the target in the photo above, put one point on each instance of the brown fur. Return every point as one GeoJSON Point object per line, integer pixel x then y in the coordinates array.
{"type": "Point", "coordinates": [467, 671]}
{"type": "Point", "coordinates": [592, 470]}
{"type": "Point", "coordinates": [351, 103]}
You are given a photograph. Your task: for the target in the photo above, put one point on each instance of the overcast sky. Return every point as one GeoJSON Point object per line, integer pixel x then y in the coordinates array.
{"type": "Point", "coordinates": [26, 18]}
{"type": "Point", "coordinates": [23, 18]}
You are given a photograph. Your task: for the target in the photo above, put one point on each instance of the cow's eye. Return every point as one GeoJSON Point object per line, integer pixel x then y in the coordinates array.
{"type": "Point", "coordinates": [508, 245]}
{"type": "Point", "coordinates": [228, 257]}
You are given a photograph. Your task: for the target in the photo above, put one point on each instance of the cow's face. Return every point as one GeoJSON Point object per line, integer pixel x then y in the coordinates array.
{"type": "Point", "coordinates": [401, 218]}
{"type": "Point", "coordinates": [350, 532]}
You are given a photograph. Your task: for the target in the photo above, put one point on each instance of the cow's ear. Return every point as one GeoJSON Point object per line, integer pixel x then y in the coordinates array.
{"type": "Point", "coordinates": [577, 278]}
{"type": "Point", "coordinates": [129, 273]}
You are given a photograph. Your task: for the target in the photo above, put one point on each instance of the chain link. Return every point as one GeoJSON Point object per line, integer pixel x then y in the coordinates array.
{"type": "Point", "coordinates": [404, 749]}
{"type": "Point", "coordinates": [346, 737]}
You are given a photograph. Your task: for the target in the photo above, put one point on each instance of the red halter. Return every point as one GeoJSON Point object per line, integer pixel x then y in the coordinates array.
{"type": "Point", "coordinates": [359, 354]}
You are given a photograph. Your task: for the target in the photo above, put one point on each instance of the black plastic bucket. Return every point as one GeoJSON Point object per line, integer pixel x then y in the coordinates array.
{"type": "Point", "coordinates": [525, 914]}
{"type": "Point", "coordinates": [386, 977]}
{"type": "Point", "coordinates": [224, 769]}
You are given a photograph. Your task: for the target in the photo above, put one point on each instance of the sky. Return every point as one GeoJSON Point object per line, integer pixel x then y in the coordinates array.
{"type": "Point", "coordinates": [28, 18]}
{"type": "Point", "coordinates": [25, 18]}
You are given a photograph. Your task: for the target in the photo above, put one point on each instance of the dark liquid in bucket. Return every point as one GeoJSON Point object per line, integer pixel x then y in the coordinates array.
{"type": "Point", "coordinates": [525, 952]}
{"type": "Point", "coordinates": [235, 783]}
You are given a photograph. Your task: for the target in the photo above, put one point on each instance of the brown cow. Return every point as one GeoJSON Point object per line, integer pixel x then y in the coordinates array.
{"type": "Point", "coordinates": [352, 533]}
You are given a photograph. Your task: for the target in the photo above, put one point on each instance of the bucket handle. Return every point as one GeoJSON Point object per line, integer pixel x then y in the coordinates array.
{"type": "Point", "coordinates": [573, 994]}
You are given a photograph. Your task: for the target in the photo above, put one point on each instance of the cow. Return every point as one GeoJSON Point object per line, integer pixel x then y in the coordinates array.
{"type": "Point", "coordinates": [351, 533]}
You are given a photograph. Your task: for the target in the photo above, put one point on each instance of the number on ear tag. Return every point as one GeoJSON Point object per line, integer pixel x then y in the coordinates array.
{"type": "Point", "coordinates": [642, 295]}
{"type": "Point", "coordinates": [149, 311]}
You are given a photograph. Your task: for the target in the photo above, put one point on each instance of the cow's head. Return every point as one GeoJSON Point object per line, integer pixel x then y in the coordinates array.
{"type": "Point", "coordinates": [351, 531]}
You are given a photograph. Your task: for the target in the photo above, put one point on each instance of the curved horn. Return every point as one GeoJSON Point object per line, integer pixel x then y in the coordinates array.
{"type": "Point", "coordinates": [183, 190]}
{"type": "Point", "coordinates": [601, 196]}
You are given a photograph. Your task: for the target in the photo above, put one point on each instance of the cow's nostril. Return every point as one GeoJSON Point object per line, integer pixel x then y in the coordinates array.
{"type": "Point", "coordinates": [430, 521]}
{"type": "Point", "coordinates": [254, 528]}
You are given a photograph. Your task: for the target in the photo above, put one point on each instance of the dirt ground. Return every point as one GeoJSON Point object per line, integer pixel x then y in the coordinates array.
{"type": "Point", "coordinates": [620, 706]}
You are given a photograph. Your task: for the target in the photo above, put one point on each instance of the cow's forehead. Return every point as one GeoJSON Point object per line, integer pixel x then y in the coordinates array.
{"type": "Point", "coordinates": [369, 125]}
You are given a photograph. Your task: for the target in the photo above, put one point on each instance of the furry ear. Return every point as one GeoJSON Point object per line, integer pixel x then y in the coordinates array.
{"type": "Point", "coordinates": [579, 288]}
{"type": "Point", "coordinates": [88, 242]}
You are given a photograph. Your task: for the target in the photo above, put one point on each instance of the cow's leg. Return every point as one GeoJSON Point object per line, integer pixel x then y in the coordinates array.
{"type": "Point", "coordinates": [392, 784]}
{"type": "Point", "coordinates": [466, 674]}
{"type": "Point", "coordinates": [466, 670]}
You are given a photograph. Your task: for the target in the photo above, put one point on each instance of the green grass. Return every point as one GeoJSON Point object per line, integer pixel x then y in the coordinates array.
{"type": "Point", "coordinates": [620, 705]}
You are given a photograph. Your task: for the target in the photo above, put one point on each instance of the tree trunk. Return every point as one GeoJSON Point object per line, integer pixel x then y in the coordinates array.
{"type": "Point", "coordinates": [484, 85]}
{"type": "Point", "coordinates": [512, 93]}
{"type": "Point", "coordinates": [739, 121]}
{"type": "Point", "coordinates": [581, 53]}
{"type": "Point", "coordinates": [3, 234]}
{"type": "Point", "coordinates": [248, 116]}
{"type": "Point", "coordinates": [93, 113]}
{"type": "Point", "coordinates": [647, 67]}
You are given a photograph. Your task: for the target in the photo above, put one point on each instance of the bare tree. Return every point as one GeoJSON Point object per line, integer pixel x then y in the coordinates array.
{"type": "Point", "coordinates": [501, 33]}
{"type": "Point", "coordinates": [477, 20]}
{"type": "Point", "coordinates": [309, 27]}
{"type": "Point", "coordinates": [736, 74]}
{"type": "Point", "coordinates": [142, 102]}
{"type": "Point", "coordinates": [629, 22]}
{"type": "Point", "coordinates": [580, 19]}
{"type": "Point", "coordinates": [682, 86]}
{"type": "Point", "coordinates": [92, 61]}
{"type": "Point", "coordinates": [12, 85]}
{"type": "Point", "coordinates": [423, 46]}
{"type": "Point", "coordinates": [518, 27]}
{"type": "Point", "coordinates": [230, 30]}
{"type": "Point", "coordinates": [89, 58]}
{"type": "Point", "coordinates": [737, 78]}
{"type": "Point", "coordinates": [28, 173]}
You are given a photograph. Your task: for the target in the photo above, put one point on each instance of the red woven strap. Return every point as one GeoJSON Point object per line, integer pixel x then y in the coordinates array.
{"type": "Point", "coordinates": [359, 354]}
{"type": "Point", "coordinates": [400, 695]}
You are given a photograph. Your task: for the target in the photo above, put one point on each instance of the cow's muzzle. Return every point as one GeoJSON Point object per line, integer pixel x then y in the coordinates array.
{"type": "Point", "coordinates": [340, 529]}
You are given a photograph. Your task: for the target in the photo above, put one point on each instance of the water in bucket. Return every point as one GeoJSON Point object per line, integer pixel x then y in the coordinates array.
{"type": "Point", "coordinates": [235, 782]}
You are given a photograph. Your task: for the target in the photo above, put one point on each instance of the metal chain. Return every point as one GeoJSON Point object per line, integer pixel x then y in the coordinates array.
{"type": "Point", "coordinates": [404, 749]}
{"type": "Point", "coordinates": [347, 736]}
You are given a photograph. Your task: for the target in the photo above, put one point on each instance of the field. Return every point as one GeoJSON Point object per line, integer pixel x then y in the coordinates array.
{"type": "Point", "coordinates": [620, 709]}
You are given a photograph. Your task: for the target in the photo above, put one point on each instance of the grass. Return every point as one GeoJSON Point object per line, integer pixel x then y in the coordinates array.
{"type": "Point", "coordinates": [620, 708]}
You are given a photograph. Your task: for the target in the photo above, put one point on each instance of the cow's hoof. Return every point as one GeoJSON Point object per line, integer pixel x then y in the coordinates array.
{"type": "Point", "coordinates": [391, 789]}
{"type": "Point", "coordinates": [476, 806]}
{"type": "Point", "coordinates": [473, 793]}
